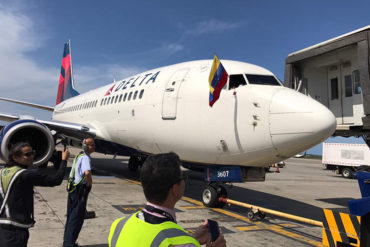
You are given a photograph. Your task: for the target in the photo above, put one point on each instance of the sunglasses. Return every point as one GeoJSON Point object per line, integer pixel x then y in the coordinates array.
{"type": "Point", "coordinates": [28, 154]}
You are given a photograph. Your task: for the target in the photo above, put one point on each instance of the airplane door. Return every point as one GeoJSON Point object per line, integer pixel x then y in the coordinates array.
{"type": "Point", "coordinates": [335, 92]}
{"type": "Point", "coordinates": [170, 95]}
{"type": "Point", "coordinates": [347, 93]}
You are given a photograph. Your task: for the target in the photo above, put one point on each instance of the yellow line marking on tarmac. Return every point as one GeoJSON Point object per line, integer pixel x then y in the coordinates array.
{"type": "Point", "coordinates": [248, 228]}
{"type": "Point", "coordinates": [273, 228]}
{"type": "Point", "coordinates": [133, 181]}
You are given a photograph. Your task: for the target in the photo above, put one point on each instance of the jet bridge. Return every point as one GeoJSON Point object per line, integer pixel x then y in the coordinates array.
{"type": "Point", "coordinates": [336, 73]}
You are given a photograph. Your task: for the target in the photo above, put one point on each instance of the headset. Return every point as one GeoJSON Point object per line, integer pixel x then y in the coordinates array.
{"type": "Point", "coordinates": [84, 145]}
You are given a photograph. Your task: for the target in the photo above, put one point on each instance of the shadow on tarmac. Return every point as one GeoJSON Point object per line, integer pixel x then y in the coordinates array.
{"type": "Point", "coordinates": [194, 186]}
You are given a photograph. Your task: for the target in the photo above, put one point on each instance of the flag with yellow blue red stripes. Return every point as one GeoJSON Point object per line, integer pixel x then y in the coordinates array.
{"type": "Point", "coordinates": [217, 80]}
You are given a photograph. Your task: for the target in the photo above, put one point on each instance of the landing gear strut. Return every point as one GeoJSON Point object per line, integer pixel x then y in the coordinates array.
{"type": "Point", "coordinates": [211, 194]}
{"type": "Point", "coordinates": [56, 158]}
{"type": "Point", "coordinates": [134, 162]}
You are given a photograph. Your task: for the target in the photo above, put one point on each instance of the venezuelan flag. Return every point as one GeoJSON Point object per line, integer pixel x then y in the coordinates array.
{"type": "Point", "coordinates": [217, 80]}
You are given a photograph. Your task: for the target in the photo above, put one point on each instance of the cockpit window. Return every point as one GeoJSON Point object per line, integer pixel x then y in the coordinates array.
{"type": "Point", "coordinates": [236, 80]}
{"type": "Point", "coordinates": [262, 80]}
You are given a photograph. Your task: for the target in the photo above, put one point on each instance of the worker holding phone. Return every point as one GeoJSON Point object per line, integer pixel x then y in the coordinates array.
{"type": "Point", "coordinates": [163, 184]}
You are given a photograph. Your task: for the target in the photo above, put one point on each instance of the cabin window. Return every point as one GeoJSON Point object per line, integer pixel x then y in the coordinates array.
{"type": "Point", "coordinates": [348, 85]}
{"type": "Point", "coordinates": [120, 98]}
{"type": "Point", "coordinates": [236, 81]}
{"type": "Point", "coordinates": [135, 95]}
{"type": "Point", "coordinates": [334, 88]}
{"type": "Point", "coordinates": [115, 101]}
{"type": "Point", "coordinates": [262, 80]}
{"type": "Point", "coordinates": [129, 96]}
{"type": "Point", "coordinates": [124, 98]}
{"type": "Point", "coordinates": [141, 93]}
{"type": "Point", "coordinates": [356, 82]}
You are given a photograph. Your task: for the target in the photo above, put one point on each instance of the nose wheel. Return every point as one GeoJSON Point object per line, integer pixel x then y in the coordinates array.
{"type": "Point", "coordinates": [212, 193]}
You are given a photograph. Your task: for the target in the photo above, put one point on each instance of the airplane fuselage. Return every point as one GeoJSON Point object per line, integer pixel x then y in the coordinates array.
{"type": "Point", "coordinates": [167, 109]}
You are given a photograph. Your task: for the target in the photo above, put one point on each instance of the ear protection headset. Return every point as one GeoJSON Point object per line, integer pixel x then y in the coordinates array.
{"type": "Point", "coordinates": [84, 145]}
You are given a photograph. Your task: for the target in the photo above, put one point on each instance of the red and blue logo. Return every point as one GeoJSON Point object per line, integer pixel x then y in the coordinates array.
{"type": "Point", "coordinates": [65, 88]}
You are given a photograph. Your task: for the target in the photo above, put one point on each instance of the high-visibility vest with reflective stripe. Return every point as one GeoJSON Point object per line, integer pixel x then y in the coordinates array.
{"type": "Point", "coordinates": [7, 177]}
{"type": "Point", "coordinates": [72, 175]}
{"type": "Point", "coordinates": [132, 231]}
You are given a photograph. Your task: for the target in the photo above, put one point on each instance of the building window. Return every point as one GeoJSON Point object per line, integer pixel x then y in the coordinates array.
{"type": "Point", "coordinates": [334, 88]}
{"type": "Point", "coordinates": [356, 82]}
{"type": "Point", "coordinates": [348, 85]}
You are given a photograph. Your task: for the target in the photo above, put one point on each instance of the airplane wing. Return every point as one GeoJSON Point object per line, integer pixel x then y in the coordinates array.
{"type": "Point", "coordinates": [8, 118]}
{"type": "Point", "coordinates": [42, 107]}
{"type": "Point", "coordinates": [72, 130]}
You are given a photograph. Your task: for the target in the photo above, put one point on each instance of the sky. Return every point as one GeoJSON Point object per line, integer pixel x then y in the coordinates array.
{"type": "Point", "coordinates": [116, 39]}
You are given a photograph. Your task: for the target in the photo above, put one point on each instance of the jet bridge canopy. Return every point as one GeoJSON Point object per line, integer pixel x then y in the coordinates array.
{"type": "Point", "coordinates": [336, 73]}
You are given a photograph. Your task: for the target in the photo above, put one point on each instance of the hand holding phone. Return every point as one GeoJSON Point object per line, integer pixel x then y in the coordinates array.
{"type": "Point", "coordinates": [213, 229]}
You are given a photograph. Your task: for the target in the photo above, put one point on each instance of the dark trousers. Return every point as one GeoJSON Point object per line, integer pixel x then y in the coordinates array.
{"type": "Point", "coordinates": [76, 208]}
{"type": "Point", "coordinates": [13, 236]}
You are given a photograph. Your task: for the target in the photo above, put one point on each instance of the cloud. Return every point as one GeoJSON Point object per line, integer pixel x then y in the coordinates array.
{"type": "Point", "coordinates": [21, 77]}
{"type": "Point", "coordinates": [87, 77]}
{"type": "Point", "coordinates": [199, 29]}
{"type": "Point", "coordinates": [211, 26]}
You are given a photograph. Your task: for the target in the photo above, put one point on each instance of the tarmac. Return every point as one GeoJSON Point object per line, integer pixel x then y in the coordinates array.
{"type": "Point", "coordinates": [302, 188]}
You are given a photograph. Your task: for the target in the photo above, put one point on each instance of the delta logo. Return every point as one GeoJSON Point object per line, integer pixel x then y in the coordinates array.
{"type": "Point", "coordinates": [109, 90]}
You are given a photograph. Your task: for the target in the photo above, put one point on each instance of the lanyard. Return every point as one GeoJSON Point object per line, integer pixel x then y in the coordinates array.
{"type": "Point", "coordinates": [159, 211]}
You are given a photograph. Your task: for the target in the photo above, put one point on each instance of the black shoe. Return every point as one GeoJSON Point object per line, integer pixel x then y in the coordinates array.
{"type": "Point", "coordinates": [89, 215]}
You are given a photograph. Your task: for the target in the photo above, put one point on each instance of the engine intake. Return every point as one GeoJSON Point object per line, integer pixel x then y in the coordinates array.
{"type": "Point", "coordinates": [32, 132]}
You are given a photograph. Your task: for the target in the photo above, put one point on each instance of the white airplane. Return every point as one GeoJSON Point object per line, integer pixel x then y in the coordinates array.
{"type": "Point", "coordinates": [256, 121]}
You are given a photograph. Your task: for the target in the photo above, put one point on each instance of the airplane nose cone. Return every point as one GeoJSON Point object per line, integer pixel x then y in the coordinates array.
{"type": "Point", "coordinates": [298, 122]}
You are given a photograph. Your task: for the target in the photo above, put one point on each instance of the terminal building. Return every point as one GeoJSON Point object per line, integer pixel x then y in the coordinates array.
{"type": "Point", "coordinates": [336, 73]}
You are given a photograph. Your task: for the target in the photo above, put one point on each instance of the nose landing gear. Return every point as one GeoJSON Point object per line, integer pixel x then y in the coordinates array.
{"type": "Point", "coordinates": [134, 162]}
{"type": "Point", "coordinates": [211, 194]}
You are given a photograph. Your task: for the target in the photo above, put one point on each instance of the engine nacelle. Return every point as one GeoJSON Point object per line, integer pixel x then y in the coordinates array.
{"type": "Point", "coordinates": [32, 132]}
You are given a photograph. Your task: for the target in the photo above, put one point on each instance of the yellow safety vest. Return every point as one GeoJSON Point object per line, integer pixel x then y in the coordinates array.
{"type": "Point", "coordinates": [7, 177]}
{"type": "Point", "coordinates": [71, 185]}
{"type": "Point", "coordinates": [132, 231]}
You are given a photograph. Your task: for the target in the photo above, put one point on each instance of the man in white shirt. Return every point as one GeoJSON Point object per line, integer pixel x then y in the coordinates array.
{"type": "Point", "coordinates": [77, 198]}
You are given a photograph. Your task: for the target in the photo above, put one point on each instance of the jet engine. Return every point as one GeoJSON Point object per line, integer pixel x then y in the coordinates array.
{"type": "Point", "coordinates": [32, 132]}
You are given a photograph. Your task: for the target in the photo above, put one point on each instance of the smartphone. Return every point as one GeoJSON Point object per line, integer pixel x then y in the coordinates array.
{"type": "Point", "coordinates": [213, 229]}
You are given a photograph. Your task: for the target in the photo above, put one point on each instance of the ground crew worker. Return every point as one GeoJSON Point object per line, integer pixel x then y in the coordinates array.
{"type": "Point", "coordinates": [79, 186]}
{"type": "Point", "coordinates": [163, 185]}
{"type": "Point", "coordinates": [16, 193]}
